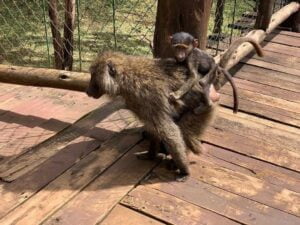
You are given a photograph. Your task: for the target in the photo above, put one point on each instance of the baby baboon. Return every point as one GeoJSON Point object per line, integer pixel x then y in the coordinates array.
{"type": "Point", "coordinates": [145, 85]}
{"type": "Point", "coordinates": [202, 67]}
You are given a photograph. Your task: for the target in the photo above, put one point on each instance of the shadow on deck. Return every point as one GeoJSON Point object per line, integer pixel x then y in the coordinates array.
{"type": "Point", "coordinates": [56, 170]}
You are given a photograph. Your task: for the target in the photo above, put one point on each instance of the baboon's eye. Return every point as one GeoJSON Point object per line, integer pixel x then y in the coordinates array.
{"type": "Point", "coordinates": [111, 69]}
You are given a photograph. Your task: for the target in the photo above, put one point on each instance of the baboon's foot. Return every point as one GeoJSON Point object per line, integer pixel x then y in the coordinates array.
{"type": "Point", "coordinates": [182, 177]}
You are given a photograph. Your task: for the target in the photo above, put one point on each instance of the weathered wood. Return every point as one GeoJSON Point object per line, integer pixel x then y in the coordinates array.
{"type": "Point", "coordinates": [252, 147]}
{"type": "Point", "coordinates": [55, 165]}
{"type": "Point", "coordinates": [14, 194]}
{"type": "Point", "coordinates": [283, 39]}
{"type": "Point", "coordinates": [44, 77]}
{"type": "Point", "coordinates": [260, 169]}
{"type": "Point", "coordinates": [262, 110]}
{"type": "Point", "coordinates": [170, 209]}
{"type": "Point", "coordinates": [247, 186]}
{"type": "Point", "coordinates": [284, 49]}
{"type": "Point", "coordinates": [125, 216]}
{"type": "Point", "coordinates": [15, 167]}
{"type": "Point", "coordinates": [94, 202]}
{"type": "Point", "coordinates": [209, 196]}
{"type": "Point", "coordinates": [265, 10]}
{"type": "Point", "coordinates": [270, 77]}
{"type": "Point", "coordinates": [71, 182]}
{"type": "Point", "coordinates": [268, 131]}
{"type": "Point", "coordinates": [287, 33]}
{"type": "Point", "coordinates": [271, 101]}
{"type": "Point", "coordinates": [279, 59]}
{"type": "Point", "coordinates": [265, 90]}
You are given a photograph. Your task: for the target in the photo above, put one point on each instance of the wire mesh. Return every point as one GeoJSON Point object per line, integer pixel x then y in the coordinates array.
{"type": "Point", "coordinates": [124, 25]}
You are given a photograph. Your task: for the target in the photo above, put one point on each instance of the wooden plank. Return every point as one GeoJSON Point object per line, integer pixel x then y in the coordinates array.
{"type": "Point", "coordinates": [15, 193]}
{"type": "Point", "coordinates": [284, 49]}
{"type": "Point", "coordinates": [228, 204]}
{"type": "Point", "coordinates": [170, 209]}
{"type": "Point", "coordinates": [16, 167]}
{"type": "Point", "coordinates": [279, 127]}
{"type": "Point", "coordinates": [273, 67]}
{"type": "Point", "coordinates": [283, 40]}
{"type": "Point", "coordinates": [247, 186]}
{"type": "Point", "coordinates": [278, 58]}
{"type": "Point", "coordinates": [251, 126]}
{"type": "Point", "coordinates": [71, 182]}
{"type": "Point", "coordinates": [264, 171]}
{"type": "Point", "coordinates": [266, 77]}
{"type": "Point", "coordinates": [291, 107]}
{"type": "Point", "coordinates": [288, 33]}
{"type": "Point", "coordinates": [254, 148]}
{"type": "Point", "coordinates": [261, 110]}
{"type": "Point", "coordinates": [265, 90]}
{"type": "Point", "coordinates": [93, 203]}
{"type": "Point", "coordinates": [282, 72]}
{"type": "Point", "coordinates": [126, 216]}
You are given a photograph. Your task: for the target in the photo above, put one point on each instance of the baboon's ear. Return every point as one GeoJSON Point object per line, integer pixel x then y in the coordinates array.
{"type": "Point", "coordinates": [195, 43]}
{"type": "Point", "coordinates": [111, 69]}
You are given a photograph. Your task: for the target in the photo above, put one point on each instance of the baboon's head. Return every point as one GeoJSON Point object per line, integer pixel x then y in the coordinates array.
{"type": "Point", "coordinates": [103, 76]}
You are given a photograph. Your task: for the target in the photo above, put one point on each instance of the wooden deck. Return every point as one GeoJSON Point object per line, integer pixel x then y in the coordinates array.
{"type": "Point", "coordinates": [55, 169]}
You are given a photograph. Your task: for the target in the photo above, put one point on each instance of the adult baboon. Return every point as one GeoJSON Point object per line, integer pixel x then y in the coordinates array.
{"type": "Point", "coordinates": [145, 84]}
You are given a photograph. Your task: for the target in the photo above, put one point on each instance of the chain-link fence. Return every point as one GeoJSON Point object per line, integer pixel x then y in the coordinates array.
{"type": "Point", "coordinates": [124, 25]}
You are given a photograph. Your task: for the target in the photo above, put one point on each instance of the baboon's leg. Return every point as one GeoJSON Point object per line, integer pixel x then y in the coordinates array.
{"type": "Point", "coordinates": [171, 136]}
{"type": "Point", "coordinates": [194, 125]}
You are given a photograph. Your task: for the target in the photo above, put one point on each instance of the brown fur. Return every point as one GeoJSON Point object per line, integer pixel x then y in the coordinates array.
{"type": "Point", "coordinates": [145, 85]}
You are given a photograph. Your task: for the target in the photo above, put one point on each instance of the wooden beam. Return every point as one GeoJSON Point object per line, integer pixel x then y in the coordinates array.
{"type": "Point", "coordinates": [42, 77]}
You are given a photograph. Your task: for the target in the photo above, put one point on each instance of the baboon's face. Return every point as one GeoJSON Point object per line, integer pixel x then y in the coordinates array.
{"type": "Point", "coordinates": [102, 81]}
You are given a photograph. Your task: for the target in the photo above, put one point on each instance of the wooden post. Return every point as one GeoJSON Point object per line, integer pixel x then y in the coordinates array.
{"type": "Point", "coordinates": [68, 33]}
{"type": "Point", "coordinates": [176, 15]}
{"type": "Point", "coordinates": [57, 40]}
{"type": "Point", "coordinates": [265, 10]}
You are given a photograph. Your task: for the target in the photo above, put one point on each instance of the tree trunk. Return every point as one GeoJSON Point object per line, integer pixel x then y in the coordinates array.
{"type": "Point", "coordinates": [219, 17]}
{"type": "Point", "coordinates": [56, 36]}
{"type": "Point", "coordinates": [68, 33]}
{"type": "Point", "coordinates": [265, 10]}
{"type": "Point", "coordinates": [176, 15]}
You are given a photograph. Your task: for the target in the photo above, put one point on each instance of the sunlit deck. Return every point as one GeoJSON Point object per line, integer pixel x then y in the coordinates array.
{"type": "Point", "coordinates": [56, 169]}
